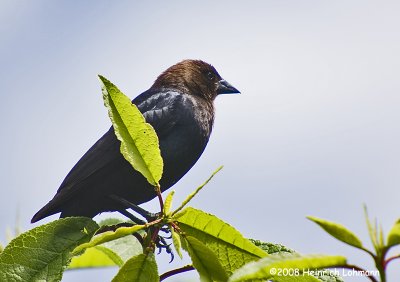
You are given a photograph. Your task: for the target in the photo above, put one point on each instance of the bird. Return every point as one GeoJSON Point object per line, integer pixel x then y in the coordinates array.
{"type": "Point", "coordinates": [180, 107]}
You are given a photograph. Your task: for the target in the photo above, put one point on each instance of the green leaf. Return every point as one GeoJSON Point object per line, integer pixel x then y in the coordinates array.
{"type": "Point", "coordinates": [168, 202]}
{"type": "Point", "coordinates": [204, 260]}
{"type": "Point", "coordinates": [139, 141]}
{"type": "Point", "coordinates": [338, 231]}
{"type": "Point", "coordinates": [231, 248]}
{"type": "Point", "coordinates": [372, 231]}
{"type": "Point", "coordinates": [140, 268]}
{"type": "Point", "coordinates": [176, 240]}
{"type": "Point", "coordinates": [394, 235]}
{"type": "Point", "coordinates": [381, 236]}
{"type": "Point", "coordinates": [112, 221]}
{"type": "Point", "coordinates": [96, 257]}
{"type": "Point", "coordinates": [191, 196]}
{"type": "Point", "coordinates": [125, 247]}
{"type": "Point", "coordinates": [271, 248]}
{"type": "Point", "coordinates": [324, 275]}
{"type": "Point", "coordinates": [286, 267]}
{"type": "Point", "coordinates": [111, 253]}
{"type": "Point", "coordinates": [43, 253]}
{"type": "Point", "coordinates": [108, 236]}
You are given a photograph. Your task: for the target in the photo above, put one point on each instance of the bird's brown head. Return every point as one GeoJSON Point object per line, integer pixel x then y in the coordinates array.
{"type": "Point", "coordinates": [194, 77]}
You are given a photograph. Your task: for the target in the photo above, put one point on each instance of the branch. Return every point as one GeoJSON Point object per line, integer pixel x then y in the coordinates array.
{"type": "Point", "coordinates": [390, 259]}
{"type": "Point", "coordinates": [176, 271]}
{"type": "Point", "coordinates": [157, 188]}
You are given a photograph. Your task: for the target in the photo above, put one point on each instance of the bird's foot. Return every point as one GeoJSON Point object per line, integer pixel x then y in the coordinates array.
{"type": "Point", "coordinates": [159, 241]}
{"type": "Point", "coordinates": [161, 244]}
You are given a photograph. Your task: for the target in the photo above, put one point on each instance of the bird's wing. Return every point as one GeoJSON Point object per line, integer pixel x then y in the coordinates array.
{"type": "Point", "coordinates": [158, 110]}
{"type": "Point", "coordinates": [101, 154]}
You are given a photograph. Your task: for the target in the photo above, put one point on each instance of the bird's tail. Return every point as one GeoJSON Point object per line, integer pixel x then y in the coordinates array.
{"type": "Point", "coordinates": [46, 211]}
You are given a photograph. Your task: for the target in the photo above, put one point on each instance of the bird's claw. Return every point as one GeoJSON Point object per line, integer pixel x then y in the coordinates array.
{"type": "Point", "coordinates": [161, 244]}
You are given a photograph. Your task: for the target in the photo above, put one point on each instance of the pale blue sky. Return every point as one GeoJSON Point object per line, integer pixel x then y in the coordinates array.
{"type": "Point", "coordinates": [315, 131]}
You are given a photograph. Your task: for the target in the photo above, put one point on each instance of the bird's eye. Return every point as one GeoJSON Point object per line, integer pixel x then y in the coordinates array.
{"type": "Point", "coordinates": [210, 75]}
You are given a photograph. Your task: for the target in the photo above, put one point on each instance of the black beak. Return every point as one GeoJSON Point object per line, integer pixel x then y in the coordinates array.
{"type": "Point", "coordinates": [225, 88]}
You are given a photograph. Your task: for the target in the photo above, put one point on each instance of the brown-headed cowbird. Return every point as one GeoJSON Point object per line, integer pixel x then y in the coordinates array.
{"type": "Point", "coordinates": [179, 105]}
